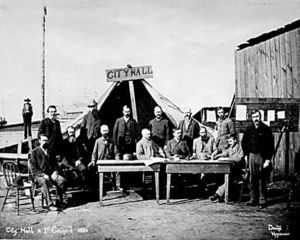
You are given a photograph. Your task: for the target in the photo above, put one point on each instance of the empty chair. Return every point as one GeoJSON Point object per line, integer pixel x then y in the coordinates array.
{"type": "Point", "coordinates": [14, 182]}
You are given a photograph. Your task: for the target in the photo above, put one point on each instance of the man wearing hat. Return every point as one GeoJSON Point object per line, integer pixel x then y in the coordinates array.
{"type": "Point", "coordinates": [27, 116]}
{"type": "Point", "coordinates": [90, 126]}
{"type": "Point", "coordinates": [189, 128]}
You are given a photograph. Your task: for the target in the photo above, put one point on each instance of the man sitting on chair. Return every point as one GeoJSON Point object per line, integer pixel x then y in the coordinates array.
{"type": "Point", "coordinates": [146, 148]}
{"type": "Point", "coordinates": [44, 170]}
{"type": "Point", "coordinates": [176, 147]}
{"type": "Point", "coordinates": [203, 146]}
{"type": "Point", "coordinates": [73, 159]}
{"type": "Point", "coordinates": [235, 153]}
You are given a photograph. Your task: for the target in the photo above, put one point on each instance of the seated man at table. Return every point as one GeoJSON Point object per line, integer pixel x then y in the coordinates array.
{"type": "Point", "coordinates": [146, 148]}
{"type": "Point", "coordinates": [44, 170]}
{"type": "Point", "coordinates": [203, 146]}
{"type": "Point", "coordinates": [177, 148]}
{"type": "Point", "coordinates": [104, 149]}
{"type": "Point", "coordinates": [73, 159]}
{"type": "Point", "coordinates": [235, 153]}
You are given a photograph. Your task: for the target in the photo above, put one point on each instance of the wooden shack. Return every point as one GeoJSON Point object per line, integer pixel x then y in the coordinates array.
{"type": "Point", "coordinates": [267, 75]}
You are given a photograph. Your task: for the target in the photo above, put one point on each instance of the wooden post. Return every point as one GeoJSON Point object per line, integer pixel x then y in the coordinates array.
{"type": "Point", "coordinates": [226, 187]}
{"type": "Point", "coordinates": [133, 102]}
{"type": "Point", "coordinates": [43, 63]}
{"type": "Point", "coordinates": [156, 174]}
{"type": "Point", "coordinates": [100, 188]}
{"type": "Point", "coordinates": [287, 145]}
{"type": "Point", "coordinates": [168, 187]}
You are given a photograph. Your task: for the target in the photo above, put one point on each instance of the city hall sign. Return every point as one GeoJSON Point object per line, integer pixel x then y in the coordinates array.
{"type": "Point", "coordinates": [130, 73]}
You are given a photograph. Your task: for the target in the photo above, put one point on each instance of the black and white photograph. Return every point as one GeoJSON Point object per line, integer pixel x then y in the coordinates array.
{"type": "Point", "coordinates": [150, 119]}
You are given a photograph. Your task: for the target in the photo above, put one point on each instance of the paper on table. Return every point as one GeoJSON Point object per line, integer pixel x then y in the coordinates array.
{"type": "Point", "coordinates": [153, 160]}
{"type": "Point", "coordinates": [241, 112]}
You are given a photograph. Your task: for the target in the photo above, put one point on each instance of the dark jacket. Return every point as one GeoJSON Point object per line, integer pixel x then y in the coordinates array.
{"type": "Point", "coordinates": [161, 131]}
{"type": "Point", "coordinates": [71, 152]}
{"type": "Point", "coordinates": [91, 124]}
{"type": "Point", "coordinates": [259, 140]}
{"type": "Point", "coordinates": [103, 149]}
{"type": "Point", "coordinates": [177, 148]}
{"type": "Point", "coordinates": [53, 131]}
{"type": "Point", "coordinates": [27, 110]}
{"type": "Point", "coordinates": [41, 164]}
{"type": "Point", "coordinates": [119, 132]}
{"type": "Point", "coordinates": [190, 133]}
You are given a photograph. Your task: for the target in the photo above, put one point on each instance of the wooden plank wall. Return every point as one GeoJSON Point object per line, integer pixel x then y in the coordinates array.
{"type": "Point", "coordinates": [271, 69]}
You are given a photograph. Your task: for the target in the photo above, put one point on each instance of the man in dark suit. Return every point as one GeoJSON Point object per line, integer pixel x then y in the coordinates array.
{"type": "Point", "coordinates": [27, 113]}
{"type": "Point", "coordinates": [189, 128]}
{"type": "Point", "coordinates": [50, 127]}
{"type": "Point", "coordinates": [160, 128]}
{"type": "Point", "coordinates": [176, 147]}
{"type": "Point", "coordinates": [125, 135]}
{"type": "Point", "coordinates": [73, 159]}
{"type": "Point", "coordinates": [258, 146]}
{"type": "Point", "coordinates": [45, 171]}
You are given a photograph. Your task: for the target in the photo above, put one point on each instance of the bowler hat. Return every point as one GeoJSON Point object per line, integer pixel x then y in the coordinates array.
{"type": "Point", "coordinates": [93, 103]}
{"type": "Point", "coordinates": [27, 100]}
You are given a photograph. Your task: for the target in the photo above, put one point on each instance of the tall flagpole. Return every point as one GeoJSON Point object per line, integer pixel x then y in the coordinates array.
{"type": "Point", "coordinates": [43, 63]}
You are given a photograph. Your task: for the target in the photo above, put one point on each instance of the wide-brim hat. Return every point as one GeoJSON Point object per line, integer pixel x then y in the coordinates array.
{"type": "Point", "coordinates": [93, 103]}
{"type": "Point", "coordinates": [27, 100]}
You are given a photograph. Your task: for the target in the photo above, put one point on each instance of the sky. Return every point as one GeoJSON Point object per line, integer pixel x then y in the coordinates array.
{"type": "Point", "coordinates": [189, 43]}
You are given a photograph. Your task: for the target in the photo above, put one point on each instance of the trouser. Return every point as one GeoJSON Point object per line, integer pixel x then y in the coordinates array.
{"type": "Point", "coordinates": [258, 179]}
{"type": "Point", "coordinates": [27, 127]}
{"type": "Point", "coordinates": [126, 153]}
{"type": "Point", "coordinates": [45, 184]}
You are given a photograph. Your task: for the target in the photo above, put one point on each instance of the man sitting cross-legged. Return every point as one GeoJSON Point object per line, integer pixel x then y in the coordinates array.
{"type": "Point", "coordinates": [235, 153]}
{"type": "Point", "coordinates": [44, 169]}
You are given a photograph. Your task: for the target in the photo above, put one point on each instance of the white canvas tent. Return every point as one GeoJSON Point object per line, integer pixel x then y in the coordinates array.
{"type": "Point", "coordinates": [111, 102]}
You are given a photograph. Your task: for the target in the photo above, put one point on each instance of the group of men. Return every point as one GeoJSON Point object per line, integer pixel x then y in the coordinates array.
{"type": "Point", "coordinates": [55, 157]}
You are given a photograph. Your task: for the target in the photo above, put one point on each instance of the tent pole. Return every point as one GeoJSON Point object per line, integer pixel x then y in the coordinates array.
{"type": "Point", "coordinates": [133, 102]}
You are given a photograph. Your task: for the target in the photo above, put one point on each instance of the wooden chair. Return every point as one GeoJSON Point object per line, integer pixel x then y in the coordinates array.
{"type": "Point", "coordinates": [36, 189]}
{"type": "Point", "coordinates": [243, 183]}
{"type": "Point", "coordinates": [14, 182]}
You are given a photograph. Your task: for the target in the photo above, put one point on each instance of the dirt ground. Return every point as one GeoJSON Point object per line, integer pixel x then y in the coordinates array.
{"type": "Point", "coordinates": [133, 217]}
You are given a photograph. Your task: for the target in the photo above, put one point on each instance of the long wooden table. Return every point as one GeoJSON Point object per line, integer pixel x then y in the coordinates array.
{"type": "Point", "coordinates": [105, 166]}
{"type": "Point", "coordinates": [199, 166]}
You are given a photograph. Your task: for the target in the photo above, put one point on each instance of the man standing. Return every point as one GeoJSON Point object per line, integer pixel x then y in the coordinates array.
{"type": "Point", "coordinates": [203, 146]}
{"type": "Point", "coordinates": [50, 127]}
{"type": "Point", "coordinates": [45, 171]}
{"type": "Point", "coordinates": [225, 127]}
{"type": "Point", "coordinates": [146, 148]}
{"type": "Point", "coordinates": [90, 126]}
{"type": "Point", "coordinates": [104, 149]}
{"type": "Point", "coordinates": [27, 113]}
{"type": "Point", "coordinates": [189, 128]}
{"type": "Point", "coordinates": [73, 157]}
{"type": "Point", "coordinates": [125, 135]}
{"type": "Point", "coordinates": [235, 153]}
{"type": "Point", "coordinates": [258, 146]}
{"type": "Point", "coordinates": [177, 148]}
{"type": "Point", "coordinates": [160, 128]}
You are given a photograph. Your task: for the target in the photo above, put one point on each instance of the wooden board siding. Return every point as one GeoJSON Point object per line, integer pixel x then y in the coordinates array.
{"type": "Point", "coordinates": [270, 68]}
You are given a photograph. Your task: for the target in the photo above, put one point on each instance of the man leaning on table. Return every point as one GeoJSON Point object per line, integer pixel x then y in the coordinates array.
{"type": "Point", "coordinates": [176, 147]}
{"type": "Point", "coordinates": [104, 149]}
{"type": "Point", "coordinates": [203, 146]}
{"type": "Point", "coordinates": [236, 154]}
